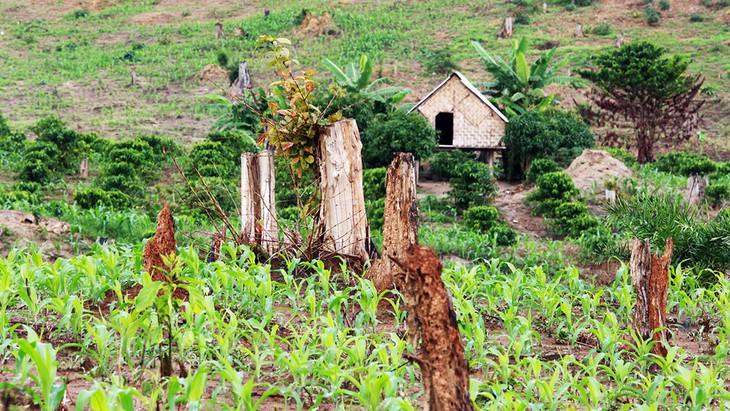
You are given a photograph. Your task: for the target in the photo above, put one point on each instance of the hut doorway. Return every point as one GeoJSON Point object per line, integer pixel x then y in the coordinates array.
{"type": "Point", "coordinates": [445, 126]}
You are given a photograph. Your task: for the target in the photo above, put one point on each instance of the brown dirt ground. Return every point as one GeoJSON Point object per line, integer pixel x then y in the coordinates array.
{"type": "Point", "coordinates": [18, 228]}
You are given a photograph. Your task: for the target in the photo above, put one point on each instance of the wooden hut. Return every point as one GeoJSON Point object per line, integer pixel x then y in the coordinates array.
{"type": "Point", "coordinates": [464, 117]}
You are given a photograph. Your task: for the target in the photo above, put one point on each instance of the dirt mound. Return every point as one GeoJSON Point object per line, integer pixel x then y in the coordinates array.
{"type": "Point", "coordinates": [18, 228]}
{"type": "Point", "coordinates": [314, 26]}
{"type": "Point", "coordinates": [593, 167]}
{"type": "Point", "coordinates": [213, 73]}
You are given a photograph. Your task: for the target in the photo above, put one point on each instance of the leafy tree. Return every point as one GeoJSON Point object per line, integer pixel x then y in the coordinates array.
{"type": "Point", "coordinates": [518, 86]}
{"type": "Point", "coordinates": [472, 185]}
{"type": "Point", "coordinates": [558, 135]}
{"type": "Point", "coordinates": [399, 132]}
{"type": "Point", "coordinates": [637, 87]}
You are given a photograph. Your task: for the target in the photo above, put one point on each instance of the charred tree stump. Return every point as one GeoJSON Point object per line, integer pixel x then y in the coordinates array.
{"type": "Point", "coordinates": [400, 222]}
{"type": "Point", "coordinates": [258, 210]}
{"type": "Point", "coordinates": [343, 222]}
{"type": "Point", "coordinates": [432, 320]}
{"type": "Point", "coordinates": [650, 277]}
{"type": "Point", "coordinates": [163, 244]}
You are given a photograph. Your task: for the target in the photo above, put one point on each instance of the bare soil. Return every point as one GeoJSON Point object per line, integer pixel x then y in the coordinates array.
{"type": "Point", "coordinates": [18, 229]}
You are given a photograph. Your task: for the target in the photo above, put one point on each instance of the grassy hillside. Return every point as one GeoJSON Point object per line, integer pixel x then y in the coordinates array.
{"type": "Point", "coordinates": [76, 58]}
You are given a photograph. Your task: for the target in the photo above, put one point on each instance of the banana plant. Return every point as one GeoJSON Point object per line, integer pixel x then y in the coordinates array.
{"type": "Point", "coordinates": [356, 79]}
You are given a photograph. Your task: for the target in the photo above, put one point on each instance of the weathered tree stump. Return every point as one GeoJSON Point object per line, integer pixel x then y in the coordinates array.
{"type": "Point", "coordinates": [610, 196]}
{"type": "Point", "coordinates": [163, 244]}
{"type": "Point", "coordinates": [84, 169]}
{"type": "Point", "coordinates": [650, 277]}
{"type": "Point", "coordinates": [258, 208]}
{"type": "Point", "coordinates": [507, 29]}
{"type": "Point", "coordinates": [343, 221]}
{"type": "Point", "coordinates": [243, 82]}
{"type": "Point", "coordinates": [696, 188]}
{"type": "Point", "coordinates": [432, 320]}
{"type": "Point", "coordinates": [400, 221]}
{"type": "Point", "coordinates": [544, 8]}
{"type": "Point", "coordinates": [219, 33]}
{"type": "Point", "coordinates": [579, 30]}
{"type": "Point", "coordinates": [619, 40]}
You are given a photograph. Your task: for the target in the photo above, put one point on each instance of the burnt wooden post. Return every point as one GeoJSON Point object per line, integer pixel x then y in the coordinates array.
{"type": "Point", "coordinates": [650, 277]}
{"type": "Point", "coordinates": [400, 221]}
{"type": "Point", "coordinates": [432, 321]}
{"type": "Point", "coordinates": [343, 222]}
{"type": "Point", "coordinates": [258, 212]}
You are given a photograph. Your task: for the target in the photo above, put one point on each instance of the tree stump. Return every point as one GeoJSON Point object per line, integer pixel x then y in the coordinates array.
{"type": "Point", "coordinates": [163, 244]}
{"type": "Point", "coordinates": [243, 82]}
{"type": "Point", "coordinates": [579, 30]}
{"type": "Point", "coordinates": [343, 222]}
{"type": "Point", "coordinates": [258, 209]}
{"type": "Point", "coordinates": [696, 188]}
{"type": "Point", "coordinates": [432, 320]}
{"type": "Point", "coordinates": [544, 8]}
{"type": "Point", "coordinates": [84, 169]}
{"type": "Point", "coordinates": [507, 29]}
{"type": "Point", "coordinates": [219, 33]}
{"type": "Point", "coordinates": [650, 277]}
{"type": "Point", "coordinates": [619, 40]}
{"type": "Point", "coordinates": [400, 221]}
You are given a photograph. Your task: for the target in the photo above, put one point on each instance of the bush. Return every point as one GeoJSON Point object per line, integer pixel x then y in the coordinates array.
{"type": "Point", "coordinates": [443, 163]}
{"type": "Point", "coordinates": [504, 236]}
{"type": "Point", "coordinates": [522, 17]}
{"type": "Point", "coordinates": [375, 210]}
{"type": "Point", "coordinates": [541, 166]}
{"type": "Point", "coordinates": [212, 159]}
{"type": "Point", "coordinates": [128, 184]}
{"type": "Point", "coordinates": [29, 186]}
{"type": "Point", "coordinates": [69, 143]}
{"type": "Point", "coordinates": [481, 218]}
{"type": "Point", "coordinates": [373, 182]}
{"type": "Point", "coordinates": [236, 141]}
{"type": "Point", "coordinates": [652, 16]}
{"type": "Point", "coordinates": [696, 18]}
{"type": "Point", "coordinates": [681, 163]}
{"type": "Point", "coordinates": [717, 193]}
{"type": "Point", "coordinates": [572, 219]}
{"type": "Point", "coordinates": [11, 142]}
{"type": "Point", "coordinates": [93, 197]}
{"type": "Point", "coordinates": [40, 162]}
{"type": "Point", "coordinates": [472, 185]}
{"type": "Point", "coordinates": [163, 148]}
{"type": "Point", "coordinates": [438, 61]}
{"type": "Point", "coordinates": [553, 189]}
{"type": "Point", "coordinates": [137, 153]}
{"type": "Point", "coordinates": [723, 169]}
{"type": "Point", "coordinates": [664, 5]}
{"type": "Point", "coordinates": [398, 132]}
{"type": "Point", "coordinates": [603, 29]}
{"type": "Point", "coordinates": [12, 197]}
{"type": "Point", "coordinates": [553, 134]}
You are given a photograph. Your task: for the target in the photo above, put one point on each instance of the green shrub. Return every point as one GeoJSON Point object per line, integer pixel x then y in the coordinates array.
{"type": "Point", "coordinates": [70, 145]}
{"type": "Point", "coordinates": [652, 16]}
{"type": "Point", "coordinates": [163, 148]}
{"type": "Point", "coordinates": [40, 162]}
{"type": "Point", "coordinates": [212, 159]}
{"type": "Point", "coordinates": [11, 142]}
{"type": "Point", "coordinates": [438, 61]}
{"type": "Point", "coordinates": [553, 134]}
{"type": "Point", "coordinates": [472, 185]}
{"type": "Point", "coordinates": [681, 163]}
{"type": "Point", "coordinates": [137, 153]}
{"type": "Point", "coordinates": [4, 127]}
{"type": "Point", "coordinates": [130, 185]}
{"type": "Point", "coordinates": [697, 166]}
{"type": "Point", "coordinates": [13, 197]}
{"type": "Point", "coordinates": [93, 197]}
{"type": "Point", "coordinates": [723, 169]}
{"type": "Point", "coordinates": [569, 7]}
{"type": "Point", "coordinates": [553, 189]}
{"type": "Point", "coordinates": [696, 18]}
{"type": "Point", "coordinates": [723, 213]}
{"type": "Point", "coordinates": [236, 141]}
{"type": "Point", "coordinates": [375, 210]}
{"type": "Point", "coordinates": [717, 193]}
{"type": "Point", "coordinates": [603, 29]}
{"type": "Point", "coordinates": [504, 236]}
{"type": "Point", "coordinates": [481, 218]}
{"type": "Point", "coordinates": [373, 182]}
{"type": "Point", "coordinates": [522, 17]}
{"type": "Point", "coordinates": [572, 219]}
{"type": "Point", "coordinates": [664, 5]}
{"type": "Point", "coordinates": [443, 163]}
{"type": "Point", "coordinates": [399, 131]}
{"type": "Point", "coordinates": [600, 244]}
{"type": "Point", "coordinates": [29, 186]}
{"type": "Point", "coordinates": [541, 166]}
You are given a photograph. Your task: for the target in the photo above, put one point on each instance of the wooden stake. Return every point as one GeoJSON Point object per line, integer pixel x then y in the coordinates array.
{"type": "Point", "coordinates": [650, 277]}
{"type": "Point", "coordinates": [432, 320]}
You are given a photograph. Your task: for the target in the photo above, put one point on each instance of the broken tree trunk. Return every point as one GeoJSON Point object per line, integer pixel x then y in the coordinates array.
{"type": "Point", "coordinates": [400, 221]}
{"type": "Point", "coordinates": [507, 28]}
{"type": "Point", "coordinates": [219, 33]}
{"type": "Point", "coordinates": [696, 188]}
{"type": "Point", "coordinates": [619, 40]}
{"type": "Point", "coordinates": [343, 222]}
{"type": "Point", "coordinates": [432, 320]}
{"type": "Point", "coordinates": [258, 211]}
{"type": "Point", "coordinates": [650, 277]}
{"type": "Point", "coordinates": [579, 30]}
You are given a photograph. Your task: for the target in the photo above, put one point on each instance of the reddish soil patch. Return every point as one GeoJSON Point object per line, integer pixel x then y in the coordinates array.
{"type": "Point", "coordinates": [510, 202]}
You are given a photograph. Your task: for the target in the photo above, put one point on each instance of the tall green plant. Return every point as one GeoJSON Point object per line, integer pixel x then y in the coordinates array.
{"type": "Point", "coordinates": [357, 80]}
{"type": "Point", "coordinates": [518, 86]}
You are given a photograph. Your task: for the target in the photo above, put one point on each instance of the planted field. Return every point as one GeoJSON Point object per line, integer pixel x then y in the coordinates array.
{"type": "Point", "coordinates": [302, 336]}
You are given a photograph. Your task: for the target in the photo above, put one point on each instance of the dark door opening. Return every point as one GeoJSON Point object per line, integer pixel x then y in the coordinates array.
{"type": "Point", "coordinates": [445, 126]}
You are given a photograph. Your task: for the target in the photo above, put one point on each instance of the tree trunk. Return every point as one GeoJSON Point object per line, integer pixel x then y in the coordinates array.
{"type": "Point", "coordinates": [650, 277]}
{"type": "Point", "coordinates": [619, 40]}
{"type": "Point", "coordinates": [432, 320]}
{"type": "Point", "coordinates": [579, 30]}
{"type": "Point", "coordinates": [696, 188]}
{"type": "Point", "coordinates": [400, 222]}
{"type": "Point", "coordinates": [243, 82]}
{"type": "Point", "coordinates": [84, 169]}
{"type": "Point", "coordinates": [219, 33]}
{"type": "Point", "coordinates": [258, 211]}
{"type": "Point", "coordinates": [544, 8]}
{"type": "Point", "coordinates": [343, 222]}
